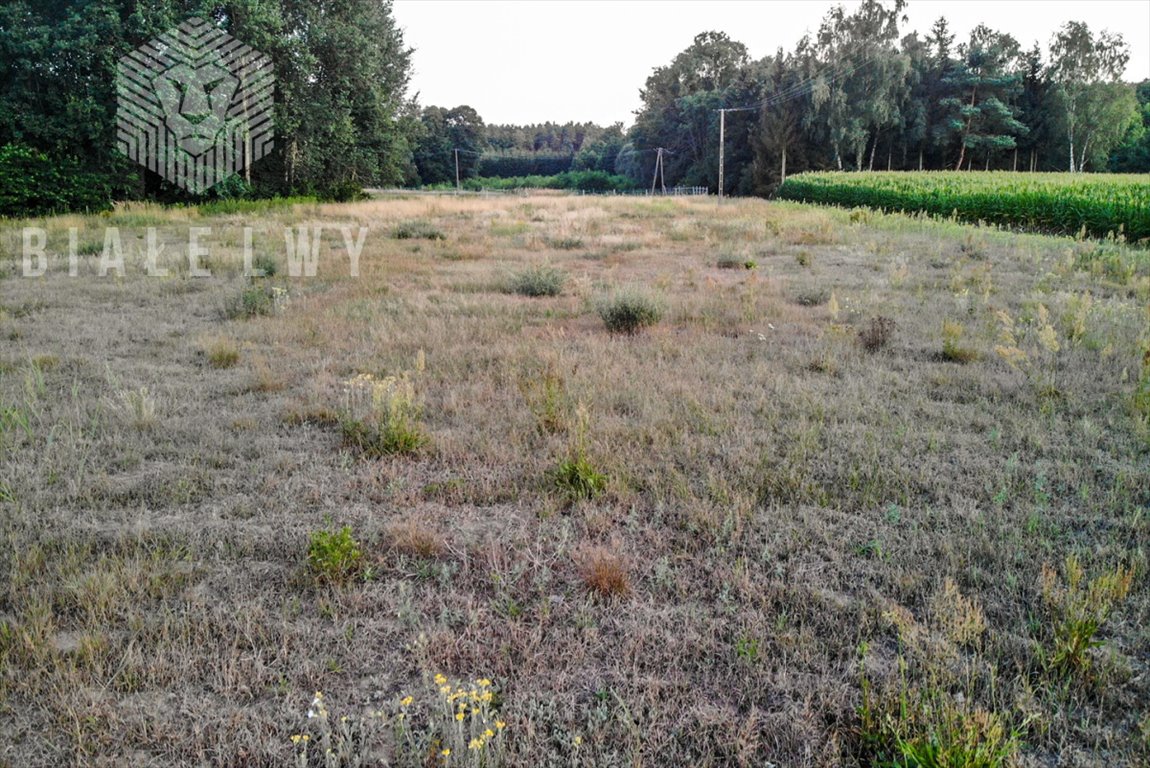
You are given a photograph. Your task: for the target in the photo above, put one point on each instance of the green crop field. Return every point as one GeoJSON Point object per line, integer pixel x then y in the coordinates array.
{"type": "Point", "coordinates": [1100, 204]}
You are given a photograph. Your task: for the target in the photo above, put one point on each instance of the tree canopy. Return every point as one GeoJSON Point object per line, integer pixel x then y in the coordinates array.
{"type": "Point", "coordinates": [856, 94]}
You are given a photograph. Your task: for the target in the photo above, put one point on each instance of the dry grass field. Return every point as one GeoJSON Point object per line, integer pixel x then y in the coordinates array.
{"type": "Point", "coordinates": [869, 490]}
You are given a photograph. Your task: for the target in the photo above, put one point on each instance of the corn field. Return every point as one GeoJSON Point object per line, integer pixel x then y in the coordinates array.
{"type": "Point", "coordinates": [1098, 204]}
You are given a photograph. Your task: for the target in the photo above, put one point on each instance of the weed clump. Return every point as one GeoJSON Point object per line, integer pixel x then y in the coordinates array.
{"type": "Point", "coordinates": [334, 556]}
{"type": "Point", "coordinates": [381, 416]}
{"type": "Point", "coordinates": [548, 399]}
{"type": "Point", "coordinates": [923, 725]}
{"type": "Point", "coordinates": [255, 301]}
{"type": "Point", "coordinates": [1078, 607]}
{"type": "Point", "coordinates": [959, 617]}
{"type": "Point", "coordinates": [267, 266]}
{"type": "Point", "coordinates": [628, 312]}
{"type": "Point", "coordinates": [417, 230]}
{"type": "Point", "coordinates": [542, 280]}
{"type": "Point", "coordinates": [222, 353]}
{"type": "Point", "coordinates": [1141, 399]}
{"type": "Point", "coordinates": [575, 476]}
{"type": "Point", "coordinates": [731, 261]}
{"type": "Point", "coordinates": [877, 334]}
{"type": "Point", "coordinates": [952, 348]}
{"type": "Point", "coordinates": [140, 406]}
{"type": "Point", "coordinates": [812, 298]}
{"type": "Point", "coordinates": [567, 243]}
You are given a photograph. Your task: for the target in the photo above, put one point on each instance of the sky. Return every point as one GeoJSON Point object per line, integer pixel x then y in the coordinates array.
{"type": "Point", "coordinates": [524, 62]}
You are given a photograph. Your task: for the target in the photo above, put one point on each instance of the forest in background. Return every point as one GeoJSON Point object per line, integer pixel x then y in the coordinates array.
{"type": "Point", "coordinates": [858, 94]}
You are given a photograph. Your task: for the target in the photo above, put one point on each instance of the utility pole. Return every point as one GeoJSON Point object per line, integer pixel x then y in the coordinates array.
{"type": "Point", "coordinates": [722, 145]}
{"type": "Point", "coordinates": [659, 177]}
{"type": "Point", "coordinates": [457, 186]}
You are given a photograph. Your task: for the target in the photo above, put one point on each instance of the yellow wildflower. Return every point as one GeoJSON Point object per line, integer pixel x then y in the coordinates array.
{"type": "Point", "coordinates": [295, 739]}
{"type": "Point", "coordinates": [406, 701]}
{"type": "Point", "coordinates": [475, 744]}
{"type": "Point", "coordinates": [500, 725]}
{"type": "Point", "coordinates": [440, 679]}
{"type": "Point", "coordinates": [459, 716]}
{"type": "Point", "coordinates": [489, 733]}
{"type": "Point", "coordinates": [445, 752]}
{"type": "Point", "coordinates": [484, 683]}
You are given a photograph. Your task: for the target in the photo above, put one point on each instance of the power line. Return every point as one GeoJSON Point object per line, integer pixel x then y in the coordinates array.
{"type": "Point", "coordinates": [794, 91]}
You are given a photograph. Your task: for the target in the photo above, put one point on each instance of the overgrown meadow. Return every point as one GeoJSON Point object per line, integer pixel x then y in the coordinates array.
{"type": "Point", "coordinates": [576, 481]}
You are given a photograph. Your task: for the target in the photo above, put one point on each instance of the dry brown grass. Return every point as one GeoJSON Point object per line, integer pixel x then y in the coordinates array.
{"type": "Point", "coordinates": [778, 498]}
{"type": "Point", "coordinates": [416, 539]}
{"type": "Point", "coordinates": [604, 571]}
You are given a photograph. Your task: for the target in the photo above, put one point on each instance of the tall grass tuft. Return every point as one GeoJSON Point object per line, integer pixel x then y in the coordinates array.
{"type": "Point", "coordinates": [629, 311]}
{"type": "Point", "coordinates": [542, 280]}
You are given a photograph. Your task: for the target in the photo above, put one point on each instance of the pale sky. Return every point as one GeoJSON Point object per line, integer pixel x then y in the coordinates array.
{"type": "Point", "coordinates": [525, 62]}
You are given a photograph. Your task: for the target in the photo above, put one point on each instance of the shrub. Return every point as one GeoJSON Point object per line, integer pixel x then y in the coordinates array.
{"type": "Point", "coordinates": [877, 334]}
{"type": "Point", "coordinates": [540, 280]}
{"type": "Point", "coordinates": [33, 183]}
{"type": "Point", "coordinates": [566, 243]}
{"type": "Point", "coordinates": [417, 230]}
{"type": "Point", "coordinates": [735, 262]}
{"type": "Point", "coordinates": [342, 192]}
{"type": "Point", "coordinates": [267, 264]}
{"type": "Point", "coordinates": [814, 297]}
{"type": "Point", "coordinates": [629, 312]}
{"type": "Point", "coordinates": [604, 572]}
{"type": "Point", "coordinates": [255, 301]}
{"type": "Point", "coordinates": [334, 555]}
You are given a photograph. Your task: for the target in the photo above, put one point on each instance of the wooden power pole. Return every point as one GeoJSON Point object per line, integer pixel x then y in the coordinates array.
{"type": "Point", "coordinates": [457, 185]}
{"type": "Point", "coordinates": [722, 145]}
{"type": "Point", "coordinates": [659, 177]}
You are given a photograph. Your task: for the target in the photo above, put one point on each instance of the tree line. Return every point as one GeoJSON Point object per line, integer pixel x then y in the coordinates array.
{"type": "Point", "coordinates": [342, 117]}
{"type": "Point", "coordinates": [857, 94]}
